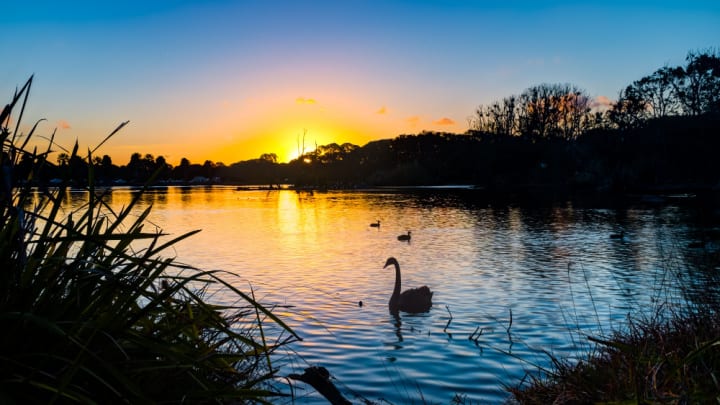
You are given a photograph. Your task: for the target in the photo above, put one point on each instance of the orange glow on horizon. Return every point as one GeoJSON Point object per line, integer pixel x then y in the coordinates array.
{"type": "Point", "coordinates": [245, 129]}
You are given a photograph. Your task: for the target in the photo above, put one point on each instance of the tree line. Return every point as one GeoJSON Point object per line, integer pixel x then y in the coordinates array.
{"type": "Point", "coordinates": [565, 111]}
{"type": "Point", "coordinates": [663, 131]}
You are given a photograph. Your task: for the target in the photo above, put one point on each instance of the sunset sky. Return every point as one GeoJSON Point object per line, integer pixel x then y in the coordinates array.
{"type": "Point", "coordinates": [229, 80]}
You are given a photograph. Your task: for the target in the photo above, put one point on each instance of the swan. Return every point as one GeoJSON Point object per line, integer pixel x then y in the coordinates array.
{"type": "Point", "coordinates": [376, 224]}
{"type": "Point", "coordinates": [404, 237]}
{"type": "Point", "coordinates": [414, 300]}
{"type": "Point", "coordinates": [618, 235]}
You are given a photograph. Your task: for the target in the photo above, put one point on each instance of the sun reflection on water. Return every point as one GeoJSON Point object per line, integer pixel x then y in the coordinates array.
{"type": "Point", "coordinates": [315, 256]}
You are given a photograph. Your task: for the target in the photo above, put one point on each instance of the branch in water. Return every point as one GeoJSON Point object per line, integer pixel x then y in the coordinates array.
{"type": "Point", "coordinates": [319, 378]}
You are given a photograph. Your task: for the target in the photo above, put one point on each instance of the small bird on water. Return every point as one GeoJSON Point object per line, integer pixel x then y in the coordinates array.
{"type": "Point", "coordinates": [405, 237]}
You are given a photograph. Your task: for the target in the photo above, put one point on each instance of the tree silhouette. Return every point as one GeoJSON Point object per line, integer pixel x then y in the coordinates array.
{"type": "Point", "coordinates": [698, 83]}
{"type": "Point", "coordinates": [269, 157]}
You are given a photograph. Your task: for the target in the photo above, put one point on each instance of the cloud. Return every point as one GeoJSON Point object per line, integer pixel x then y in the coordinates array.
{"type": "Point", "coordinates": [413, 121]}
{"type": "Point", "coordinates": [444, 121]}
{"type": "Point", "coordinates": [381, 111]}
{"type": "Point", "coordinates": [303, 100]}
{"type": "Point", "coordinates": [602, 101]}
{"type": "Point", "coordinates": [62, 124]}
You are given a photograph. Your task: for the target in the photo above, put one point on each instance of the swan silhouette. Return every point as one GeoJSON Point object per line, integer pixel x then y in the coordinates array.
{"type": "Point", "coordinates": [414, 300]}
{"type": "Point", "coordinates": [376, 224]}
{"type": "Point", "coordinates": [405, 237]}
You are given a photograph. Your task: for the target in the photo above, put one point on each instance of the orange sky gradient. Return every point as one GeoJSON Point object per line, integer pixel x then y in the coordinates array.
{"type": "Point", "coordinates": [227, 81]}
{"type": "Point", "coordinates": [245, 129]}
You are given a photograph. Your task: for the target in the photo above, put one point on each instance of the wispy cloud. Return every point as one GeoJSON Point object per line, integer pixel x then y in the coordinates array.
{"type": "Point", "coordinates": [303, 100]}
{"type": "Point", "coordinates": [444, 121]}
{"type": "Point", "coordinates": [62, 124]}
{"type": "Point", "coordinates": [381, 111]}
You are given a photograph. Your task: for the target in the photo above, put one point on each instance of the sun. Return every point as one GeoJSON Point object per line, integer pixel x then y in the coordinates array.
{"type": "Point", "coordinates": [291, 155]}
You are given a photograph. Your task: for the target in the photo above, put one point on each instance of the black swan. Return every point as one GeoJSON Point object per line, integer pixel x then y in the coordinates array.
{"type": "Point", "coordinates": [376, 224]}
{"type": "Point", "coordinates": [404, 237]}
{"type": "Point", "coordinates": [414, 300]}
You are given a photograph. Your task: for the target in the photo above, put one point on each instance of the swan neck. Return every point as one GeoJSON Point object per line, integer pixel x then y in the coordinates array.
{"type": "Point", "coordinates": [396, 290]}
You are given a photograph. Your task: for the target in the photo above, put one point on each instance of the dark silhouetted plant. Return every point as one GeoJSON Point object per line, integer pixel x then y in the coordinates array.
{"type": "Point", "coordinates": [95, 310]}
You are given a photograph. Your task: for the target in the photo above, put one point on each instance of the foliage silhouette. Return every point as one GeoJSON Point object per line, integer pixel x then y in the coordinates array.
{"type": "Point", "coordinates": [92, 309]}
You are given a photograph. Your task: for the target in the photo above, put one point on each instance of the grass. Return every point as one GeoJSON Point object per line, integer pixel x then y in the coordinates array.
{"type": "Point", "coordinates": [670, 357]}
{"type": "Point", "coordinates": [95, 310]}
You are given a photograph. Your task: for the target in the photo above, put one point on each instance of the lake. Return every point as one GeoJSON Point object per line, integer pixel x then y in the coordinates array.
{"type": "Point", "coordinates": [510, 282]}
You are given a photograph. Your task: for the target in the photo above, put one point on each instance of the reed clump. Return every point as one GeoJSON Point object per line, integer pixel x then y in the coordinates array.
{"type": "Point", "coordinates": [94, 308]}
{"type": "Point", "coordinates": [670, 357]}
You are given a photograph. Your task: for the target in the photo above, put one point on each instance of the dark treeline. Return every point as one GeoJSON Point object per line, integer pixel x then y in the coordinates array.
{"type": "Point", "coordinates": [663, 132]}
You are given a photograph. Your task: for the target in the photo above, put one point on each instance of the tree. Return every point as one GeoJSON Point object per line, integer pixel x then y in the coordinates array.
{"type": "Point", "coordinates": [162, 166]}
{"type": "Point", "coordinates": [553, 110]}
{"type": "Point", "coordinates": [697, 85]}
{"type": "Point", "coordinates": [182, 171]}
{"type": "Point", "coordinates": [208, 169]}
{"type": "Point", "coordinates": [657, 92]}
{"type": "Point", "coordinates": [630, 111]}
{"type": "Point", "coordinates": [498, 118]}
{"type": "Point", "coordinates": [63, 159]}
{"type": "Point", "coordinates": [135, 167]}
{"type": "Point", "coordinates": [573, 113]}
{"type": "Point", "coordinates": [269, 157]}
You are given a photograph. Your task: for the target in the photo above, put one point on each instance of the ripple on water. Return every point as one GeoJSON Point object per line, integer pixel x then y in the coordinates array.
{"type": "Point", "coordinates": [555, 269]}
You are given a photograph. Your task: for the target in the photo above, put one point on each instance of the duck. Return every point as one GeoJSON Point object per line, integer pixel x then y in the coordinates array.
{"type": "Point", "coordinates": [405, 237]}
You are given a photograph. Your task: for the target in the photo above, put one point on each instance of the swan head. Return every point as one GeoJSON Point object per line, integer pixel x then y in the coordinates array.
{"type": "Point", "coordinates": [390, 260]}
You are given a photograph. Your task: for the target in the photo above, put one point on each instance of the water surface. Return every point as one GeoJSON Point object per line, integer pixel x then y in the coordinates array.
{"type": "Point", "coordinates": [510, 282]}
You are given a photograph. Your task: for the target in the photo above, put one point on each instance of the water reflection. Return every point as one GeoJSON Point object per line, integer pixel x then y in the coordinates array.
{"type": "Point", "coordinates": [397, 322]}
{"type": "Point", "coordinates": [555, 268]}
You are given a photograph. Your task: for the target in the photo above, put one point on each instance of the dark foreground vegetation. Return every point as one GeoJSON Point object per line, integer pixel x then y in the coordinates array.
{"type": "Point", "coordinates": [671, 356]}
{"type": "Point", "coordinates": [95, 310]}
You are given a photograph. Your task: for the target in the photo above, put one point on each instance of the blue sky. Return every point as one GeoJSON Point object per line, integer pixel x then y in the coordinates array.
{"type": "Point", "coordinates": [229, 80]}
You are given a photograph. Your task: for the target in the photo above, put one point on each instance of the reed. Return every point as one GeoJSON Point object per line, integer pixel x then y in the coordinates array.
{"type": "Point", "coordinates": [95, 309]}
{"type": "Point", "coordinates": [669, 356]}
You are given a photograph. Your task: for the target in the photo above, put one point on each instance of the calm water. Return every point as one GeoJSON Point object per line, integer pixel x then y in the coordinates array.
{"type": "Point", "coordinates": [509, 282]}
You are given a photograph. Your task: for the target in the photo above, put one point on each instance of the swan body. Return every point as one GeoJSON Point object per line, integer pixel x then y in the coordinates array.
{"type": "Point", "coordinates": [404, 237]}
{"type": "Point", "coordinates": [376, 224]}
{"type": "Point", "coordinates": [414, 300]}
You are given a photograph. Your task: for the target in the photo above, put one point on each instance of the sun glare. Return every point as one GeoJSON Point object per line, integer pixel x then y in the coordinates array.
{"type": "Point", "coordinates": [291, 155]}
